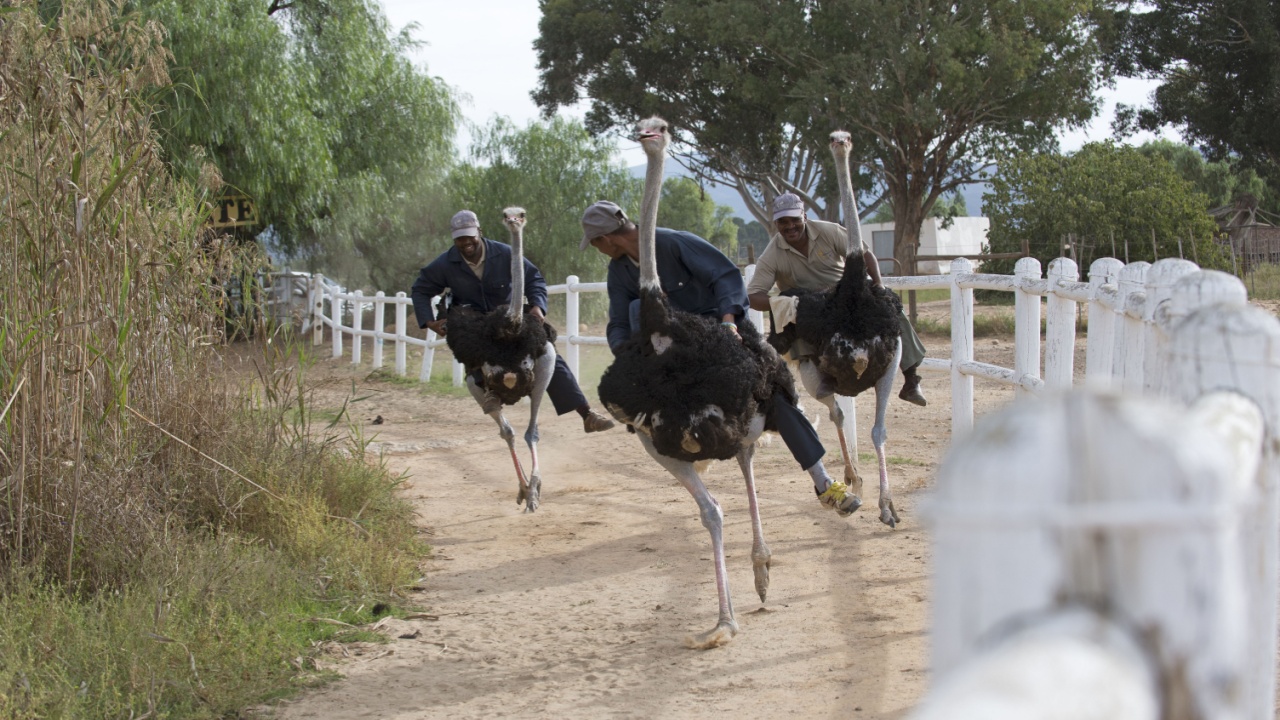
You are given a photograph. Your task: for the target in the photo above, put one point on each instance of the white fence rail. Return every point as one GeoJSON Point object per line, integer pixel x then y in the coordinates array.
{"type": "Point", "coordinates": [1124, 338]}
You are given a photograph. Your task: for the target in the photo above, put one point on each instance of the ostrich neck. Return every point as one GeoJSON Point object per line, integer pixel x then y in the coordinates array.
{"type": "Point", "coordinates": [847, 205]}
{"type": "Point", "coordinates": [516, 306]}
{"type": "Point", "coordinates": [649, 219]}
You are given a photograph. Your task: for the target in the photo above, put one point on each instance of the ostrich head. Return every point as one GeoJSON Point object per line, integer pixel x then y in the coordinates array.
{"type": "Point", "coordinates": [514, 218]}
{"type": "Point", "coordinates": [653, 136]}
{"type": "Point", "coordinates": [841, 142]}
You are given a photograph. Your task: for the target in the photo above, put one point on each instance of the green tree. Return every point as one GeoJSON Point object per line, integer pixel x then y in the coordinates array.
{"type": "Point", "coordinates": [752, 234]}
{"type": "Point", "coordinates": [1221, 181]}
{"type": "Point", "coordinates": [554, 170]}
{"type": "Point", "coordinates": [1218, 63]}
{"type": "Point", "coordinates": [686, 206]}
{"type": "Point", "coordinates": [947, 207]}
{"type": "Point", "coordinates": [313, 109]}
{"type": "Point", "coordinates": [1078, 205]}
{"type": "Point", "coordinates": [931, 91]}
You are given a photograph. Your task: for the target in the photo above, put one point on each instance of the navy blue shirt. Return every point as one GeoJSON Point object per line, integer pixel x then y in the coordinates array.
{"type": "Point", "coordinates": [451, 271]}
{"type": "Point", "coordinates": [696, 277]}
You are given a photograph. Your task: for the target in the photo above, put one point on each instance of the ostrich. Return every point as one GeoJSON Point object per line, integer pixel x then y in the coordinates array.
{"type": "Point", "coordinates": [514, 357]}
{"type": "Point", "coordinates": [693, 392]}
{"type": "Point", "coordinates": [855, 327]}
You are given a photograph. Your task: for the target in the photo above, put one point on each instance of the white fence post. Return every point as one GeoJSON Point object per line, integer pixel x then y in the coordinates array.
{"type": "Point", "coordinates": [571, 321]}
{"type": "Point", "coordinates": [1127, 367]}
{"type": "Point", "coordinates": [357, 325]}
{"type": "Point", "coordinates": [429, 351]}
{"type": "Point", "coordinates": [458, 373]}
{"type": "Point", "coordinates": [336, 311]}
{"type": "Point", "coordinates": [1218, 342]}
{"type": "Point", "coordinates": [1104, 273]}
{"type": "Point", "coordinates": [379, 322]}
{"type": "Point", "coordinates": [1132, 510]}
{"type": "Point", "coordinates": [961, 350]}
{"type": "Point", "coordinates": [317, 309]}
{"type": "Point", "coordinates": [1026, 324]}
{"type": "Point", "coordinates": [1161, 277]}
{"type": "Point", "coordinates": [401, 327]}
{"type": "Point", "coordinates": [1060, 326]}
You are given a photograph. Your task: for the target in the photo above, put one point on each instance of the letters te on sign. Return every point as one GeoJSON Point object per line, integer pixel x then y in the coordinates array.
{"type": "Point", "coordinates": [233, 211]}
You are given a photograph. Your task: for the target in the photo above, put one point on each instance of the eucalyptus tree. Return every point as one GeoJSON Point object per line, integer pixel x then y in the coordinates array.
{"type": "Point", "coordinates": [931, 90]}
{"type": "Point", "coordinates": [554, 169]}
{"type": "Point", "coordinates": [312, 108]}
{"type": "Point", "coordinates": [1218, 63]}
{"type": "Point", "coordinates": [1102, 200]}
{"type": "Point", "coordinates": [686, 206]}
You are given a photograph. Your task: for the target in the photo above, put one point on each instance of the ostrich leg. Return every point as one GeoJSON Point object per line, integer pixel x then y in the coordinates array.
{"type": "Point", "coordinates": [760, 554]}
{"type": "Point", "coordinates": [713, 521]}
{"type": "Point", "coordinates": [884, 390]}
{"type": "Point", "coordinates": [542, 370]}
{"type": "Point", "coordinates": [822, 391]}
{"type": "Point", "coordinates": [505, 432]}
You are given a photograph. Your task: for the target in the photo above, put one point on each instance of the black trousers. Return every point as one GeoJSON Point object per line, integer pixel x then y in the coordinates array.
{"type": "Point", "coordinates": [796, 430]}
{"type": "Point", "coordinates": [563, 389]}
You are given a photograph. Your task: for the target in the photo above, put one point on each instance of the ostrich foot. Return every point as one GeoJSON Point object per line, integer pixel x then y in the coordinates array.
{"type": "Point", "coordinates": [720, 635]}
{"type": "Point", "coordinates": [760, 564]}
{"type": "Point", "coordinates": [854, 482]}
{"type": "Point", "coordinates": [888, 514]}
{"type": "Point", "coordinates": [521, 494]}
{"type": "Point", "coordinates": [531, 495]}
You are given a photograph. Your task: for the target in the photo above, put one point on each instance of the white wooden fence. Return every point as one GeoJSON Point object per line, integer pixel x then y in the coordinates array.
{"type": "Point", "coordinates": [1099, 555]}
{"type": "Point", "coordinates": [1123, 337]}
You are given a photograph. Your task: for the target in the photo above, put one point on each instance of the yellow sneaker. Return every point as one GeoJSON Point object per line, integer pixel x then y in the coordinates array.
{"type": "Point", "coordinates": [838, 498]}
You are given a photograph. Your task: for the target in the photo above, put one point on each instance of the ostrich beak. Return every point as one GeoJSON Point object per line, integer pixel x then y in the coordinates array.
{"type": "Point", "coordinates": [690, 444]}
{"type": "Point", "coordinates": [860, 365]}
{"type": "Point", "coordinates": [509, 380]}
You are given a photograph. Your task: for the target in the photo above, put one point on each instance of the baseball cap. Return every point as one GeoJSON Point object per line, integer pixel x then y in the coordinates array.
{"type": "Point", "coordinates": [464, 223]}
{"type": "Point", "coordinates": [601, 218]}
{"type": "Point", "coordinates": [788, 205]}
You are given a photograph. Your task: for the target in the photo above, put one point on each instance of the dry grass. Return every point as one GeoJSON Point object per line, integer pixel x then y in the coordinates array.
{"type": "Point", "coordinates": [162, 538]}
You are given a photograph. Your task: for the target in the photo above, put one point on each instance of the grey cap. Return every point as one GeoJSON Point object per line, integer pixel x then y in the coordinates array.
{"type": "Point", "coordinates": [464, 223]}
{"type": "Point", "coordinates": [788, 205]}
{"type": "Point", "coordinates": [602, 218]}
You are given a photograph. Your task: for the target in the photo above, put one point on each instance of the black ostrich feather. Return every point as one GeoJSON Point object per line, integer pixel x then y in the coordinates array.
{"type": "Point", "coordinates": [494, 345]}
{"type": "Point", "coordinates": [696, 399]}
{"type": "Point", "coordinates": [837, 321]}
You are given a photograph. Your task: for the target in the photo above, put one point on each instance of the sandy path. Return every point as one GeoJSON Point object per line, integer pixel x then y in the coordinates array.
{"type": "Point", "coordinates": [579, 610]}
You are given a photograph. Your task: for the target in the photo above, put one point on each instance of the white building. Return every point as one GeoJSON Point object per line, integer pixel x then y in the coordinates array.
{"type": "Point", "coordinates": [965, 236]}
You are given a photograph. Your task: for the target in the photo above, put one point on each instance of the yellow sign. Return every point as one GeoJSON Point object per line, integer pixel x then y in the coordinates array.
{"type": "Point", "coordinates": [233, 211]}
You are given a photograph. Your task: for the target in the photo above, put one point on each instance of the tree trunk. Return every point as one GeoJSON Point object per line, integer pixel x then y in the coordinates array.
{"type": "Point", "coordinates": [906, 234]}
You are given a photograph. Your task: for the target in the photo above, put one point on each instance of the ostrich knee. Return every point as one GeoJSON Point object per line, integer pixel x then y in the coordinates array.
{"type": "Point", "coordinates": [712, 516]}
{"type": "Point", "coordinates": [531, 436]}
{"type": "Point", "coordinates": [879, 434]}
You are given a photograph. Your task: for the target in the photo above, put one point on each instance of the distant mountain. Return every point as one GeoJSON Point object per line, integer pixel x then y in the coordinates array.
{"type": "Point", "coordinates": [972, 193]}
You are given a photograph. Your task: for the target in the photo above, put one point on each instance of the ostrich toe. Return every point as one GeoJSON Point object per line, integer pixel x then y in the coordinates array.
{"type": "Point", "coordinates": [888, 514]}
{"type": "Point", "coordinates": [760, 565]}
{"type": "Point", "coordinates": [531, 497]}
{"type": "Point", "coordinates": [721, 634]}
{"type": "Point", "coordinates": [854, 481]}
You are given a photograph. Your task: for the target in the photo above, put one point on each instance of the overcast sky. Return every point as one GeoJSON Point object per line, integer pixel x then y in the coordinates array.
{"type": "Point", "coordinates": [484, 49]}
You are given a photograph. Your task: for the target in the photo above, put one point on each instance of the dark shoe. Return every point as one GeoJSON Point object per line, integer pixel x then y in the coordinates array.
{"type": "Point", "coordinates": [595, 421]}
{"type": "Point", "coordinates": [911, 390]}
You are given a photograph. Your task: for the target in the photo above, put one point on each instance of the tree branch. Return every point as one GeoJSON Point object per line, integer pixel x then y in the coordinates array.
{"type": "Point", "coordinates": [277, 5]}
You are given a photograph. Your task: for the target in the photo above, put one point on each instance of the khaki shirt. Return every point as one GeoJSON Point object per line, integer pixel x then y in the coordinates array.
{"type": "Point", "coordinates": [784, 266]}
{"type": "Point", "coordinates": [478, 267]}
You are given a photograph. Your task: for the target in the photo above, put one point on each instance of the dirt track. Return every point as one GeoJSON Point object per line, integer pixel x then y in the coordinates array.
{"type": "Point", "coordinates": [580, 609]}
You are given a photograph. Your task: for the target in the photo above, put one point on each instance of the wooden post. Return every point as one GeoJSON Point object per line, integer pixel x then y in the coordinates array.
{"type": "Point", "coordinates": [357, 325]}
{"type": "Point", "coordinates": [317, 309]}
{"type": "Point", "coordinates": [379, 322]}
{"type": "Point", "coordinates": [1124, 505]}
{"type": "Point", "coordinates": [1026, 331]}
{"type": "Point", "coordinates": [1219, 342]}
{"type": "Point", "coordinates": [1128, 360]}
{"type": "Point", "coordinates": [571, 320]}
{"type": "Point", "coordinates": [1060, 331]}
{"type": "Point", "coordinates": [1160, 280]}
{"type": "Point", "coordinates": [756, 316]}
{"type": "Point", "coordinates": [961, 350]}
{"type": "Point", "coordinates": [336, 311]}
{"type": "Point", "coordinates": [429, 351]}
{"type": "Point", "coordinates": [1100, 347]}
{"type": "Point", "coordinates": [401, 326]}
